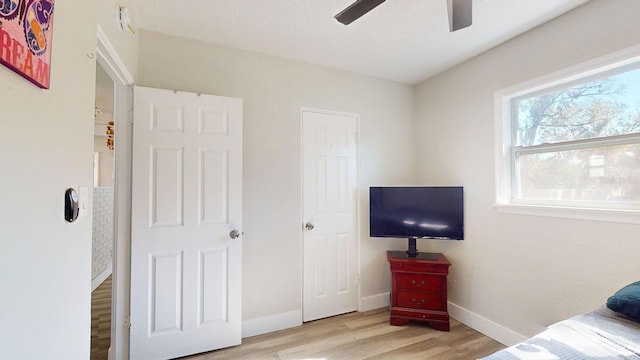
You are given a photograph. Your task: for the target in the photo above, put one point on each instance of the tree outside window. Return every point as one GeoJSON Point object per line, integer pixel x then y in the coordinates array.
{"type": "Point", "coordinates": [579, 143]}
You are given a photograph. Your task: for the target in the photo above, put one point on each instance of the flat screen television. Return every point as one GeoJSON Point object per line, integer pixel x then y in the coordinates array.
{"type": "Point", "coordinates": [418, 212]}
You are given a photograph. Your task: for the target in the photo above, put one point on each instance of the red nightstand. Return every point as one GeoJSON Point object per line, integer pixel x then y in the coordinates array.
{"type": "Point", "coordinates": [419, 289]}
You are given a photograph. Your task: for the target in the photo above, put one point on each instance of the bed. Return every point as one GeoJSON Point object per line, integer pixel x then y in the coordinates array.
{"type": "Point", "coordinates": [610, 332]}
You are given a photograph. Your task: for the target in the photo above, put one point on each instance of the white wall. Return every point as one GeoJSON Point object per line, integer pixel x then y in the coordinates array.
{"type": "Point", "coordinates": [106, 161]}
{"type": "Point", "coordinates": [47, 146]}
{"type": "Point", "coordinates": [522, 272]}
{"type": "Point", "coordinates": [274, 91]}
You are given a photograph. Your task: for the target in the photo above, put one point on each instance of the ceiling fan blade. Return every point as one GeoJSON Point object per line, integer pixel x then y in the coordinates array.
{"type": "Point", "coordinates": [459, 14]}
{"type": "Point", "coordinates": [357, 9]}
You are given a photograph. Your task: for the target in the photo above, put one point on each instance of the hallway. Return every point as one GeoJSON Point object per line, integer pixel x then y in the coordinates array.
{"type": "Point", "coordinates": [101, 320]}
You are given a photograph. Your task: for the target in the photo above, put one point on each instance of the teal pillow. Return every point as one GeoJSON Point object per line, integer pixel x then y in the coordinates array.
{"type": "Point", "coordinates": [627, 301]}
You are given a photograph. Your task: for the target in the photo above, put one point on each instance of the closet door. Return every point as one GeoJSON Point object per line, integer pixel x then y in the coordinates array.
{"type": "Point", "coordinates": [330, 183]}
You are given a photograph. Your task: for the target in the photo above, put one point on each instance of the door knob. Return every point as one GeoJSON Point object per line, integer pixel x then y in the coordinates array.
{"type": "Point", "coordinates": [308, 226]}
{"type": "Point", "coordinates": [234, 234]}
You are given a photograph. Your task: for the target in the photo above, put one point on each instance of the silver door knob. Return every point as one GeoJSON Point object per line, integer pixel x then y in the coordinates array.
{"type": "Point", "coordinates": [308, 226]}
{"type": "Point", "coordinates": [234, 234]}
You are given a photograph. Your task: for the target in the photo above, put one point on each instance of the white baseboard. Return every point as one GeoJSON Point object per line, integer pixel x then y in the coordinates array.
{"type": "Point", "coordinates": [488, 327]}
{"type": "Point", "coordinates": [100, 277]}
{"type": "Point", "coordinates": [502, 334]}
{"type": "Point", "coordinates": [267, 324]}
{"type": "Point", "coordinates": [374, 302]}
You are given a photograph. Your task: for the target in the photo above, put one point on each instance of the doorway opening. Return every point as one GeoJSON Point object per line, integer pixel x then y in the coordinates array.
{"type": "Point", "coordinates": [121, 99]}
{"type": "Point", "coordinates": [103, 210]}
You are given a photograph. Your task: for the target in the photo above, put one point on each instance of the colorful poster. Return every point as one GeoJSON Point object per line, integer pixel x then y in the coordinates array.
{"type": "Point", "coordinates": [25, 38]}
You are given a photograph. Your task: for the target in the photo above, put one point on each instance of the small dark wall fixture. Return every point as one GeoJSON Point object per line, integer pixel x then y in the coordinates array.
{"type": "Point", "coordinates": [71, 205]}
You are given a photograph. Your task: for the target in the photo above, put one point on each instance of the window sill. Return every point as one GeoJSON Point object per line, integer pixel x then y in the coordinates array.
{"type": "Point", "coordinates": [607, 215]}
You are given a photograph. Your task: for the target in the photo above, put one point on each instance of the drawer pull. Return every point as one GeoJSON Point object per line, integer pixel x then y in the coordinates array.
{"type": "Point", "coordinates": [414, 300]}
{"type": "Point", "coordinates": [413, 282]}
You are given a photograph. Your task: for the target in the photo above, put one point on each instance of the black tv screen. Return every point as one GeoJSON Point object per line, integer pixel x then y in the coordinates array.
{"type": "Point", "coordinates": [416, 212]}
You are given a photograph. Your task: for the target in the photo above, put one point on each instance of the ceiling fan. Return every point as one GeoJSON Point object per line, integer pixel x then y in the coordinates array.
{"type": "Point", "coordinates": [459, 12]}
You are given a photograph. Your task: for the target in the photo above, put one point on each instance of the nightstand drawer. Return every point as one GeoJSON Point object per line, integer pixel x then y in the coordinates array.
{"type": "Point", "coordinates": [420, 300]}
{"type": "Point", "coordinates": [418, 282]}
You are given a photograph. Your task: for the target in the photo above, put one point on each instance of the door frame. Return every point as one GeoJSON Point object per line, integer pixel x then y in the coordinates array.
{"type": "Point", "coordinates": [108, 58]}
{"type": "Point", "coordinates": [358, 201]}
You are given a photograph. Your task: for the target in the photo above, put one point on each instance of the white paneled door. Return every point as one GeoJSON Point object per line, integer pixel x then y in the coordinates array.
{"type": "Point", "coordinates": [330, 214]}
{"type": "Point", "coordinates": [186, 221]}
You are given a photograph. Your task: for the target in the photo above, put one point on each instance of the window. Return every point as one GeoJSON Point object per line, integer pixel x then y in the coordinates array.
{"type": "Point", "coordinates": [572, 143]}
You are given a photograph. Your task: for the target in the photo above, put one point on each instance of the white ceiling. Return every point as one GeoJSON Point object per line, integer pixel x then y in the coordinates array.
{"type": "Point", "coordinates": [402, 40]}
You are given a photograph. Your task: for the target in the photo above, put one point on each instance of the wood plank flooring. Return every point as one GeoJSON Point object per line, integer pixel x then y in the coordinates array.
{"type": "Point", "coordinates": [365, 335]}
{"type": "Point", "coordinates": [353, 336]}
{"type": "Point", "coordinates": [101, 320]}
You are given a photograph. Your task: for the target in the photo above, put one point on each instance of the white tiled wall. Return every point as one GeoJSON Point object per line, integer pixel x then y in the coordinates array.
{"type": "Point", "coordinates": [102, 230]}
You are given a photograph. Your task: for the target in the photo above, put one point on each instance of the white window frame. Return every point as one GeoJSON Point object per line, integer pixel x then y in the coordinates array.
{"type": "Point", "coordinates": [504, 137]}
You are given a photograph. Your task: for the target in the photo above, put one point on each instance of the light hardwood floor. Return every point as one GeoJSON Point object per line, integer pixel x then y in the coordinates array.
{"type": "Point", "coordinates": [365, 335]}
{"type": "Point", "coordinates": [353, 336]}
{"type": "Point", "coordinates": [101, 320]}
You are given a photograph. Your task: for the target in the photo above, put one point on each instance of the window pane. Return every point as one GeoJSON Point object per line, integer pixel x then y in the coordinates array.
{"type": "Point", "coordinates": [605, 174]}
{"type": "Point", "coordinates": [606, 107]}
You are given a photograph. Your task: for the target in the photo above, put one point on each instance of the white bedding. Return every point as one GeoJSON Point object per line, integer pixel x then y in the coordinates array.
{"type": "Point", "coordinates": [601, 334]}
